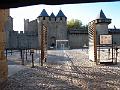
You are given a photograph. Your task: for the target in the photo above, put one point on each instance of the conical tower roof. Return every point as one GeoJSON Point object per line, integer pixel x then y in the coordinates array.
{"type": "Point", "coordinates": [60, 14]}
{"type": "Point", "coordinates": [101, 15]}
{"type": "Point", "coordinates": [52, 15]}
{"type": "Point", "coordinates": [44, 13]}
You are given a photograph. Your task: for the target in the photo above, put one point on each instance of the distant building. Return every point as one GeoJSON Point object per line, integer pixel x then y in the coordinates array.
{"type": "Point", "coordinates": [57, 30]}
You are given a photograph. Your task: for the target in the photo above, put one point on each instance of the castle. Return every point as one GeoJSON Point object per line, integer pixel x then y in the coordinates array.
{"type": "Point", "coordinates": [57, 31]}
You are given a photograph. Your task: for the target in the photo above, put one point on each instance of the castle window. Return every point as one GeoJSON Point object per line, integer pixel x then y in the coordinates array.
{"type": "Point", "coordinates": [43, 18]}
{"type": "Point", "coordinates": [60, 18]}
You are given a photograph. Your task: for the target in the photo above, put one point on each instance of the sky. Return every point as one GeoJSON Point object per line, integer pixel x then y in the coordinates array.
{"type": "Point", "coordinates": [85, 12]}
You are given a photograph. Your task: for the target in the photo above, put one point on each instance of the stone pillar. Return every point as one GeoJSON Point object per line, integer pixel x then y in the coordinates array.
{"type": "Point", "coordinates": [4, 13]}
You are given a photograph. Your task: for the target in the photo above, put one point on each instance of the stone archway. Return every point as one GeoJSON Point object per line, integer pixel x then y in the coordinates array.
{"type": "Point", "coordinates": [52, 42]}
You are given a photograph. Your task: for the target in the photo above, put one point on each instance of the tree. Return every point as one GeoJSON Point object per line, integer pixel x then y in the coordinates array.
{"type": "Point", "coordinates": [75, 24]}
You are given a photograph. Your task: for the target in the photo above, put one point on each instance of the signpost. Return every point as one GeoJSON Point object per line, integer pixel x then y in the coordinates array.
{"type": "Point", "coordinates": [32, 52]}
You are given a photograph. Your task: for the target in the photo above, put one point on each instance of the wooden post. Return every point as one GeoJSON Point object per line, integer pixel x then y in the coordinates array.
{"type": "Point", "coordinates": [112, 53]}
{"type": "Point", "coordinates": [109, 53]}
{"type": "Point", "coordinates": [99, 53]}
{"type": "Point", "coordinates": [95, 43]}
{"type": "Point", "coordinates": [4, 13]}
{"type": "Point", "coordinates": [32, 53]}
{"type": "Point", "coordinates": [42, 52]}
{"type": "Point", "coordinates": [26, 54]}
{"type": "Point", "coordinates": [32, 61]}
{"type": "Point", "coordinates": [21, 53]}
{"type": "Point", "coordinates": [22, 57]}
{"type": "Point", "coordinates": [39, 57]}
{"type": "Point", "coordinates": [116, 55]}
{"type": "Point", "coordinates": [6, 53]}
{"type": "Point", "coordinates": [43, 44]}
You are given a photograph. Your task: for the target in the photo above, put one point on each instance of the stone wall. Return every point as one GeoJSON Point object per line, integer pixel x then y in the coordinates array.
{"type": "Point", "coordinates": [77, 41]}
{"type": "Point", "coordinates": [26, 22]}
{"type": "Point", "coordinates": [116, 39]}
{"type": "Point", "coordinates": [8, 27]}
{"type": "Point", "coordinates": [22, 40]}
{"type": "Point", "coordinates": [57, 29]}
{"type": "Point", "coordinates": [13, 39]}
{"type": "Point", "coordinates": [32, 26]}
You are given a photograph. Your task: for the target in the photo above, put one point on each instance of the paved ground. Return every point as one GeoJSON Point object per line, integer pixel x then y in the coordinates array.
{"type": "Point", "coordinates": [66, 70]}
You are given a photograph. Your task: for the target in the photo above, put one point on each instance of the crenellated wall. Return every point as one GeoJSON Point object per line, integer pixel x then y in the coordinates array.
{"type": "Point", "coordinates": [57, 30]}
{"type": "Point", "coordinates": [22, 40]}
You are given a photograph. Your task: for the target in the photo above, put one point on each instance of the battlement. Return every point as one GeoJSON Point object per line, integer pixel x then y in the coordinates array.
{"type": "Point", "coordinates": [26, 33]}
{"type": "Point", "coordinates": [45, 17]}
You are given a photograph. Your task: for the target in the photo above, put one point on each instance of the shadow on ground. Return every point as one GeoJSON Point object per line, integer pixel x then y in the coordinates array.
{"type": "Point", "coordinates": [61, 73]}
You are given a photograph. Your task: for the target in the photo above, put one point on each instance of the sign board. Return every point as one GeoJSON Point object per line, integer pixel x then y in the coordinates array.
{"type": "Point", "coordinates": [105, 39]}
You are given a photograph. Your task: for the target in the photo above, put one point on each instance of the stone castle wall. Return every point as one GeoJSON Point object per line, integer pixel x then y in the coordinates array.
{"type": "Point", "coordinates": [77, 41]}
{"type": "Point", "coordinates": [22, 40]}
{"type": "Point", "coordinates": [57, 30]}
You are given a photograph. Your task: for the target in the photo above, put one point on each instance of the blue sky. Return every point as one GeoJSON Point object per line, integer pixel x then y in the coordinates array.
{"type": "Point", "coordinates": [85, 12]}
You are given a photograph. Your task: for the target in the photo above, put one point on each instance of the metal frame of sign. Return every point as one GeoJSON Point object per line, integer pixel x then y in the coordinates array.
{"type": "Point", "coordinates": [106, 43]}
{"type": "Point", "coordinates": [105, 39]}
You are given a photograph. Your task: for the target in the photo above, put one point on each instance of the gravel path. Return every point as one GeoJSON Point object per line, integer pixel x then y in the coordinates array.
{"type": "Point", "coordinates": [66, 70]}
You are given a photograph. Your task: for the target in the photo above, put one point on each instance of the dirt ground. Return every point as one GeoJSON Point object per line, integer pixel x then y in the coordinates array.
{"type": "Point", "coordinates": [64, 70]}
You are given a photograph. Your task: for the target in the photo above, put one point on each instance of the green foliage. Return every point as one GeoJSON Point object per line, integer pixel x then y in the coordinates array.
{"type": "Point", "coordinates": [76, 24]}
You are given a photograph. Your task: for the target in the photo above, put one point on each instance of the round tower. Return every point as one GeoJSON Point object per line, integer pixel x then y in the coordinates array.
{"type": "Point", "coordinates": [52, 17]}
{"type": "Point", "coordinates": [61, 26]}
{"type": "Point", "coordinates": [61, 17]}
{"type": "Point", "coordinates": [26, 24]}
{"type": "Point", "coordinates": [43, 17]}
{"type": "Point", "coordinates": [52, 31]}
{"type": "Point", "coordinates": [102, 23]}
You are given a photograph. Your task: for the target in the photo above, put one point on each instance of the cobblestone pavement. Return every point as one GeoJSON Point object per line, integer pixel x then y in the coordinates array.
{"type": "Point", "coordinates": [67, 70]}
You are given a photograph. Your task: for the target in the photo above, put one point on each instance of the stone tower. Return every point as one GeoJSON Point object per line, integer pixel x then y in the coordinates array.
{"type": "Point", "coordinates": [56, 26]}
{"type": "Point", "coordinates": [26, 22]}
{"type": "Point", "coordinates": [96, 28]}
{"type": "Point", "coordinates": [61, 26]}
{"type": "Point", "coordinates": [52, 33]}
{"type": "Point", "coordinates": [102, 24]}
